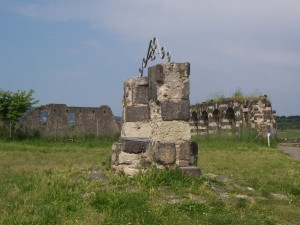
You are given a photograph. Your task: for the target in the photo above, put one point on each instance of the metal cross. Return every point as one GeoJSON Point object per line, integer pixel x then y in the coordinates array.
{"type": "Point", "coordinates": [153, 49]}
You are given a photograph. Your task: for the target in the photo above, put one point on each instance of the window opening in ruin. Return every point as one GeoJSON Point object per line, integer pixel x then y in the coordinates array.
{"type": "Point", "coordinates": [43, 117]}
{"type": "Point", "coordinates": [194, 116]}
{"type": "Point", "coordinates": [72, 119]}
{"type": "Point", "coordinates": [204, 117]}
{"type": "Point", "coordinates": [216, 116]}
{"type": "Point", "coordinates": [246, 118]}
{"type": "Point", "coordinates": [230, 115]}
{"type": "Point", "coordinates": [195, 120]}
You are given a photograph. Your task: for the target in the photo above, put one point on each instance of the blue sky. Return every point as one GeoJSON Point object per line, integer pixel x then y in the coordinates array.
{"type": "Point", "coordinates": [79, 52]}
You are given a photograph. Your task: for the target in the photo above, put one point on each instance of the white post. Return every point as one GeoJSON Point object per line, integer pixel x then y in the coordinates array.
{"type": "Point", "coordinates": [97, 129]}
{"type": "Point", "coordinates": [268, 134]}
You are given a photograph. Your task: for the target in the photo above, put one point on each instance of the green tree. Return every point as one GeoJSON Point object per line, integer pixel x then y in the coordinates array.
{"type": "Point", "coordinates": [13, 105]}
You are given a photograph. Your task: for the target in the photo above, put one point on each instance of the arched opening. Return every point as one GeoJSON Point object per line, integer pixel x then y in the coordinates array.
{"type": "Point", "coordinates": [204, 117]}
{"type": "Point", "coordinates": [72, 119]}
{"type": "Point", "coordinates": [246, 118]}
{"type": "Point", "coordinates": [230, 115]}
{"type": "Point", "coordinates": [44, 117]}
{"type": "Point", "coordinates": [194, 118]}
{"type": "Point", "coordinates": [216, 118]}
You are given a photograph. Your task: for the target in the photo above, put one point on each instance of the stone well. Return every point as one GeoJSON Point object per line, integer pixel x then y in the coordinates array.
{"type": "Point", "coordinates": [155, 122]}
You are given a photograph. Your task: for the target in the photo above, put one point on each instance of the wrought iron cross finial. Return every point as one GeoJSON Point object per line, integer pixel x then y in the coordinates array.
{"type": "Point", "coordinates": [153, 49]}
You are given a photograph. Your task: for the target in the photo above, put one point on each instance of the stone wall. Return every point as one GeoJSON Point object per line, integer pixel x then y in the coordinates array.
{"type": "Point", "coordinates": [58, 120]}
{"type": "Point", "coordinates": [233, 115]}
{"type": "Point", "coordinates": [156, 131]}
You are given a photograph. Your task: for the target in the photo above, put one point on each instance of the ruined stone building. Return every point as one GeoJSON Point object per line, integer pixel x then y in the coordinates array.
{"type": "Point", "coordinates": [59, 120]}
{"type": "Point", "coordinates": [156, 131]}
{"type": "Point", "coordinates": [233, 115]}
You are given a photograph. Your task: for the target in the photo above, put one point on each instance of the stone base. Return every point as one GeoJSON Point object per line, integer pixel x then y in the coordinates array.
{"type": "Point", "coordinates": [132, 154]}
{"type": "Point", "coordinates": [191, 170]}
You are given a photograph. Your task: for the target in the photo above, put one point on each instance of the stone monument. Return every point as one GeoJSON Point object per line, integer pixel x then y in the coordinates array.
{"type": "Point", "coordinates": [155, 122]}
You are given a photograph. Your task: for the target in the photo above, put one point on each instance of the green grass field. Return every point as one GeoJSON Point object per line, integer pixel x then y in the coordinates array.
{"type": "Point", "coordinates": [288, 134]}
{"type": "Point", "coordinates": [70, 183]}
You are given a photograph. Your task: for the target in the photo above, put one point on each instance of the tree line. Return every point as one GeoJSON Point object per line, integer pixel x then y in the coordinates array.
{"type": "Point", "coordinates": [288, 122]}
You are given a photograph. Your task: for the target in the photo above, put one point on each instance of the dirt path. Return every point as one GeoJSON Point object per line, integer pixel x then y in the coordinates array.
{"type": "Point", "coordinates": [294, 152]}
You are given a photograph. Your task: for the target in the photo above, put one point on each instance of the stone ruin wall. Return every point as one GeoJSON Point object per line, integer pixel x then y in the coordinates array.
{"type": "Point", "coordinates": [156, 131]}
{"type": "Point", "coordinates": [58, 120]}
{"type": "Point", "coordinates": [208, 117]}
{"type": "Point", "coordinates": [233, 115]}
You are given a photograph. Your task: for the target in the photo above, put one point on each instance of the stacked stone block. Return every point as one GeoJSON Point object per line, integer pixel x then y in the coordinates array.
{"type": "Point", "coordinates": [156, 131]}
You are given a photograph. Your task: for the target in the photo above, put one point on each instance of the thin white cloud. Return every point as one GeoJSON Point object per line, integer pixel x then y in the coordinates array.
{"type": "Point", "coordinates": [139, 19]}
{"type": "Point", "coordinates": [280, 58]}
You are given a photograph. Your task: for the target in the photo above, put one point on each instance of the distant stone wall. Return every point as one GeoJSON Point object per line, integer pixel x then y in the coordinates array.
{"type": "Point", "coordinates": [232, 115]}
{"type": "Point", "coordinates": [59, 120]}
{"type": "Point", "coordinates": [156, 131]}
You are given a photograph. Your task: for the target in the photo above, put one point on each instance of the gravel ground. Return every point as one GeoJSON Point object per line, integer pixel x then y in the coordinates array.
{"type": "Point", "coordinates": [294, 152]}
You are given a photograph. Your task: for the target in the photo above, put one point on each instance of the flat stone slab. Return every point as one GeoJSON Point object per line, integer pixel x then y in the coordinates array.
{"type": "Point", "coordinates": [139, 139]}
{"type": "Point", "coordinates": [134, 144]}
{"type": "Point", "coordinates": [191, 170]}
{"type": "Point", "coordinates": [279, 196]}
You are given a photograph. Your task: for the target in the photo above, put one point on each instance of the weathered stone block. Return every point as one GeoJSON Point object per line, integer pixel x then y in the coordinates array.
{"type": "Point", "coordinates": [186, 90]}
{"type": "Point", "coordinates": [184, 69]}
{"type": "Point", "coordinates": [136, 146]}
{"type": "Point", "coordinates": [134, 91]}
{"type": "Point", "coordinates": [156, 74]}
{"type": "Point", "coordinates": [130, 159]}
{"type": "Point", "coordinates": [164, 153]}
{"type": "Point", "coordinates": [184, 150]}
{"type": "Point", "coordinates": [136, 113]}
{"type": "Point", "coordinates": [152, 91]}
{"type": "Point", "coordinates": [175, 110]}
{"type": "Point", "coordinates": [130, 171]}
{"type": "Point", "coordinates": [169, 131]}
{"type": "Point", "coordinates": [187, 152]}
{"type": "Point", "coordinates": [136, 129]}
{"type": "Point", "coordinates": [116, 149]}
{"type": "Point", "coordinates": [156, 77]}
{"type": "Point", "coordinates": [183, 163]}
{"type": "Point", "coordinates": [140, 95]}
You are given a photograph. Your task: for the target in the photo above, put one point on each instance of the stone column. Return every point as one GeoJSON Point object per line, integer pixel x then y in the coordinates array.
{"type": "Point", "coordinates": [156, 130]}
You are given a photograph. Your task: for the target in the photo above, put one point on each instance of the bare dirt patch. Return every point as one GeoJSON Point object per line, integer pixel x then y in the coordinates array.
{"type": "Point", "coordinates": [294, 152]}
